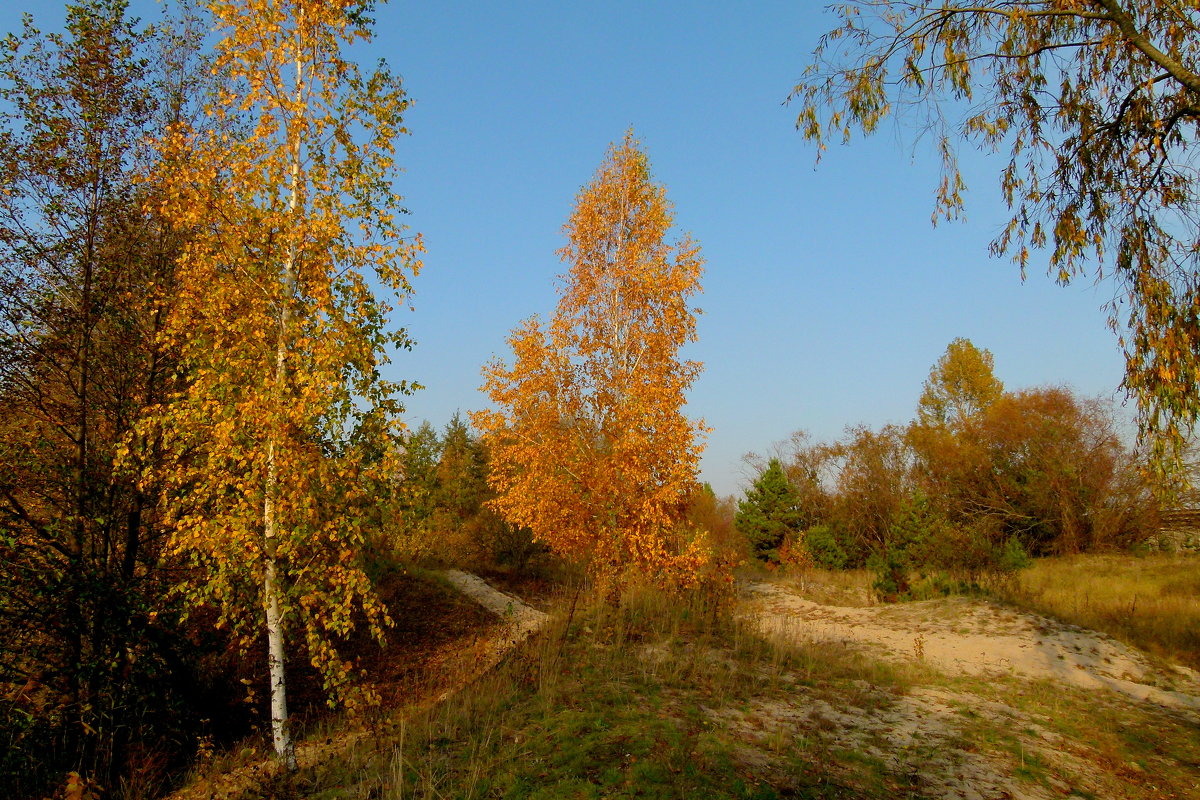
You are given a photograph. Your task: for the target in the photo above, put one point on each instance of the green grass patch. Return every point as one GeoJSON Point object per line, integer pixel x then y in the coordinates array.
{"type": "Point", "coordinates": [1086, 743]}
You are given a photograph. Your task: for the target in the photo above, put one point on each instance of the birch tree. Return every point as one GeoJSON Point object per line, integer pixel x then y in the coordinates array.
{"type": "Point", "coordinates": [590, 447]}
{"type": "Point", "coordinates": [960, 385]}
{"type": "Point", "coordinates": [286, 418]}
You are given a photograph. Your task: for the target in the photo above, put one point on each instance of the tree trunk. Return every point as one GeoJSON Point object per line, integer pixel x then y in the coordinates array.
{"type": "Point", "coordinates": [280, 735]}
{"type": "Point", "coordinates": [272, 588]}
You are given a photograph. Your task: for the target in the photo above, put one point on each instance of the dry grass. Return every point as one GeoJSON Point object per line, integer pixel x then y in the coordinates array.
{"type": "Point", "coordinates": [1084, 744]}
{"type": "Point", "coordinates": [661, 696]}
{"type": "Point", "coordinates": [849, 587]}
{"type": "Point", "coordinates": [620, 703]}
{"type": "Point", "coordinates": [1151, 602]}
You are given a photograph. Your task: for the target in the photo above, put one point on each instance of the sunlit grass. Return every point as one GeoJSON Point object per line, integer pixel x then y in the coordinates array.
{"type": "Point", "coordinates": [1151, 601]}
{"type": "Point", "coordinates": [661, 696]}
{"type": "Point", "coordinates": [1070, 739]}
{"type": "Point", "coordinates": [623, 702]}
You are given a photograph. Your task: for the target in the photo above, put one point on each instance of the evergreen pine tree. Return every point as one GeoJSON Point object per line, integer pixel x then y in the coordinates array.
{"type": "Point", "coordinates": [770, 511]}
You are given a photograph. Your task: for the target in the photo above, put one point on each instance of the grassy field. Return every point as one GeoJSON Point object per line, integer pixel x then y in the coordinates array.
{"type": "Point", "coordinates": [635, 701]}
{"type": "Point", "coordinates": [664, 698]}
{"type": "Point", "coordinates": [1151, 601]}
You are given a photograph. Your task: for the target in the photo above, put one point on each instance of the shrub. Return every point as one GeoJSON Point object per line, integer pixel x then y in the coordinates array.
{"type": "Point", "coordinates": [891, 575]}
{"type": "Point", "coordinates": [973, 554]}
{"type": "Point", "coordinates": [824, 547]}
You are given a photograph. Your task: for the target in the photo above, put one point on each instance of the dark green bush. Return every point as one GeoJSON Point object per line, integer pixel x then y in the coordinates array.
{"type": "Point", "coordinates": [825, 548]}
{"type": "Point", "coordinates": [891, 575]}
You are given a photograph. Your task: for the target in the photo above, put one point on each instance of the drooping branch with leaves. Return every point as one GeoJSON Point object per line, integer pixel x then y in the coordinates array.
{"type": "Point", "coordinates": [1096, 103]}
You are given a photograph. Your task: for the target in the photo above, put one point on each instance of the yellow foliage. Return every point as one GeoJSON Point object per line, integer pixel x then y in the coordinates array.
{"type": "Point", "coordinates": [590, 447]}
{"type": "Point", "coordinates": [1095, 104]}
{"type": "Point", "coordinates": [284, 426]}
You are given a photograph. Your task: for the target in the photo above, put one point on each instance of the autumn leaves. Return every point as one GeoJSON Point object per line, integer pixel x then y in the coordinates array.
{"type": "Point", "coordinates": [285, 423]}
{"type": "Point", "coordinates": [199, 249]}
{"type": "Point", "coordinates": [590, 446]}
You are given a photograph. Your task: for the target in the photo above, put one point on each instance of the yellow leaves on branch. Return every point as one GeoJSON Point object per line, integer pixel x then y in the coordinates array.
{"type": "Point", "coordinates": [1097, 106]}
{"type": "Point", "coordinates": [284, 194]}
{"type": "Point", "coordinates": [590, 446]}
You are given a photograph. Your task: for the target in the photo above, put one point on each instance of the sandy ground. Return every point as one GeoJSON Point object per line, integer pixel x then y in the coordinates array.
{"type": "Point", "coordinates": [976, 637]}
{"type": "Point", "coordinates": [521, 620]}
{"type": "Point", "coordinates": [919, 734]}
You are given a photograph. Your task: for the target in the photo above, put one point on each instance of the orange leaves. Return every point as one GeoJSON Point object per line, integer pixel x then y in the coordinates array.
{"type": "Point", "coordinates": [590, 447]}
{"type": "Point", "coordinates": [284, 432]}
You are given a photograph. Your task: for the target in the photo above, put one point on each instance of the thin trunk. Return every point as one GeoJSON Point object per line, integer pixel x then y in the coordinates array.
{"type": "Point", "coordinates": [80, 488]}
{"type": "Point", "coordinates": [133, 524]}
{"type": "Point", "coordinates": [272, 588]}
{"type": "Point", "coordinates": [280, 735]}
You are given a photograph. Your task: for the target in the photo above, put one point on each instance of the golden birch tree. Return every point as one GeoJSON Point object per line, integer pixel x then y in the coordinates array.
{"type": "Point", "coordinates": [285, 420]}
{"type": "Point", "coordinates": [1097, 104]}
{"type": "Point", "coordinates": [590, 447]}
{"type": "Point", "coordinates": [960, 385]}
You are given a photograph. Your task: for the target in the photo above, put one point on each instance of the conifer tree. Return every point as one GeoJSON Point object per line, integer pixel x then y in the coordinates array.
{"type": "Point", "coordinates": [770, 511]}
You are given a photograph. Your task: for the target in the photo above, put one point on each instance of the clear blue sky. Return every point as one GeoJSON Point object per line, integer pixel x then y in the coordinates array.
{"type": "Point", "coordinates": [828, 294]}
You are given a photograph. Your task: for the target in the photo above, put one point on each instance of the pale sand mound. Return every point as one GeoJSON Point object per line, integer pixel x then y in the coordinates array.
{"type": "Point", "coordinates": [961, 636]}
{"type": "Point", "coordinates": [522, 620]}
{"type": "Point", "coordinates": [917, 736]}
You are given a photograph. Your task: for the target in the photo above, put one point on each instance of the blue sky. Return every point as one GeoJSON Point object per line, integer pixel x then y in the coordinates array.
{"type": "Point", "coordinates": [828, 293]}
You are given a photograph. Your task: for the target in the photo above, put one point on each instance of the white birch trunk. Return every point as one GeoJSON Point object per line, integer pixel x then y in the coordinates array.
{"type": "Point", "coordinates": [272, 590]}
{"type": "Point", "coordinates": [280, 735]}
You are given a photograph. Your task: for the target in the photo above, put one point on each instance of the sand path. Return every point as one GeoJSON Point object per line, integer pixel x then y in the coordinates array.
{"type": "Point", "coordinates": [522, 620]}
{"type": "Point", "coordinates": [977, 637]}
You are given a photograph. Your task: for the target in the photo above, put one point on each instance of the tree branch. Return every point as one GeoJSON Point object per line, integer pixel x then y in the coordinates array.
{"type": "Point", "coordinates": [1127, 25]}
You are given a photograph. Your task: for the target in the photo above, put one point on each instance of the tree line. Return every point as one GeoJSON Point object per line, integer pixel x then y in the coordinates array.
{"type": "Point", "coordinates": [980, 480]}
{"type": "Point", "coordinates": [200, 458]}
{"type": "Point", "coordinates": [201, 462]}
